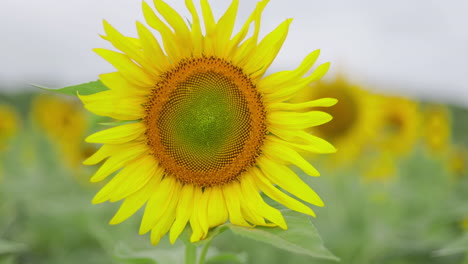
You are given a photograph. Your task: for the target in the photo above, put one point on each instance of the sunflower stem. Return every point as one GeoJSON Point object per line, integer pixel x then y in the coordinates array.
{"type": "Point", "coordinates": [204, 251]}
{"type": "Point", "coordinates": [190, 253]}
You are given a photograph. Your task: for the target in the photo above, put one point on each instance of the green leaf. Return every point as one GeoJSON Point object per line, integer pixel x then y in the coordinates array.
{"type": "Point", "coordinates": [228, 258]}
{"type": "Point", "coordinates": [457, 247]}
{"type": "Point", "coordinates": [301, 237]}
{"type": "Point", "coordinates": [8, 247]}
{"type": "Point", "coordinates": [173, 255]}
{"type": "Point", "coordinates": [82, 89]}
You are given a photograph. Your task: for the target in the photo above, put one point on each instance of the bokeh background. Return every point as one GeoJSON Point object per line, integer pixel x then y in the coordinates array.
{"type": "Point", "coordinates": [396, 191]}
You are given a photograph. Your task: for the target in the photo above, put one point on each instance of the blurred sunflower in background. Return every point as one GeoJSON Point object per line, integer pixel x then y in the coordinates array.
{"type": "Point", "coordinates": [396, 134]}
{"type": "Point", "coordinates": [399, 125]}
{"type": "Point", "coordinates": [9, 124]}
{"type": "Point", "coordinates": [437, 129]}
{"type": "Point", "coordinates": [206, 132]}
{"type": "Point", "coordinates": [64, 124]}
{"type": "Point", "coordinates": [354, 117]}
{"type": "Point", "coordinates": [458, 160]}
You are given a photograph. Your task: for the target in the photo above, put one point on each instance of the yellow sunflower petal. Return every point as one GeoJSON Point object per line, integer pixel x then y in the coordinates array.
{"type": "Point", "coordinates": [183, 212]}
{"type": "Point", "coordinates": [249, 209]}
{"type": "Point", "coordinates": [267, 50]}
{"type": "Point", "coordinates": [173, 19]}
{"type": "Point", "coordinates": [162, 199]}
{"type": "Point", "coordinates": [115, 81]}
{"type": "Point", "coordinates": [276, 81]}
{"type": "Point", "coordinates": [217, 213]}
{"type": "Point", "coordinates": [197, 37]}
{"type": "Point", "coordinates": [202, 211]}
{"type": "Point", "coordinates": [135, 201]}
{"type": "Point", "coordinates": [168, 37]}
{"type": "Point", "coordinates": [164, 224]}
{"type": "Point", "coordinates": [129, 70]}
{"type": "Point", "coordinates": [285, 92]}
{"type": "Point", "coordinates": [129, 180]}
{"type": "Point", "coordinates": [247, 48]}
{"type": "Point", "coordinates": [288, 180]}
{"type": "Point", "coordinates": [102, 153]}
{"type": "Point", "coordinates": [151, 49]}
{"type": "Point", "coordinates": [231, 192]}
{"type": "Point", "coordinates": [124, 154]}
{"type": "Point", "coordinates": [225, 27]}
{"type": "Point", "coordinates": [104, 104]}
{"type": "Point", "coordinates": [118, 135]}
{"type": "Point", "coordinates": [133, 51]}
{"type": "Point", "coordinates": [298, 121]}
{"type": "Point", "coordinates": [271, 191]}
{"type": "Point", "coordinates": [255, 16]}
{"type": "Point", "coordinates": [197, 229]}
{"type": "Point", "coordinates": [301, 140]}
{"type": "Point", "coordinates": [281, 153]}
{"type": "Point", "coordinates": [322, 102]}
{"type": "Point", "coordinates": [210, 23]}
{"type": "Point", "coordinates": [252, 196]}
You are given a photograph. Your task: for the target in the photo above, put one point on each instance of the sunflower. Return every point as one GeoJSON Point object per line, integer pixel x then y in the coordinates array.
{"type": "Point", "coordinates": [458, 160]}
{"type": "Point", "coordinates": [380, 167]}
{"type": "Point", "coordinates": [8, 125]}
{"type": "Point", "coordinates": [399, 127]}
{"type": "Point", "coordinates": [353, 123]}
{"type": "Point", "coordinates": [437, 129]}
{"type": "Point", "coordinates": [206, 132]}
{"type": "Point", "coordinates": [64, 123]}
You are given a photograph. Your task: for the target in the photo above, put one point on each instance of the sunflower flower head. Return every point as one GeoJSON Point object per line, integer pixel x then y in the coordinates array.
{"type": "Point", "coordinates": [399, 128]}
{"type": "Point", "coordinates": [64, 123]}
{"type": "Point", "coordinates": [206, 132]}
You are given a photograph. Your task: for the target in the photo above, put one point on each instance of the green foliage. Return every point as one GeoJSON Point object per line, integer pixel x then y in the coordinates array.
{"type": "Point", "coordinates": [9, 247]}
{"type": "Point", "coordinates": [149, 255]}
{"type": "Point", "coordinates": [81, 89]}
{"type": "Point", "coordinates": [459, 246]}
{"type": "Point", "coordinates": [301, 237]}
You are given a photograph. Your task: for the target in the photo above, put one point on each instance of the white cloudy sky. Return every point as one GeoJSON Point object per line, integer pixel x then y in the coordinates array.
{"type": "Point", "coordinates": [417, 47]}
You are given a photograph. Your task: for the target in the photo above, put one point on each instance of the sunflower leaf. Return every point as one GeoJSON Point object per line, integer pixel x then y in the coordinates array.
{"type": "Point", "coordinates": [301, 237]}
{"type": "Point", "coordinates": [148, 256]}
{"type": "Point", "coordinates": [82, 89]}
{"type": "Point", "coordinates": [228, 258]}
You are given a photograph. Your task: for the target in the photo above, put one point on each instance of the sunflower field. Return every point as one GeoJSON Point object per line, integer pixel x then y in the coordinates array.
{"type": "Point", "coordinates": [194, 151]}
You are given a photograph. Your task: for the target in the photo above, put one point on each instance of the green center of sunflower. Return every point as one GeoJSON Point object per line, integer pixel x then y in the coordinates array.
{"type": "Point", "coordinates": [205, 122]}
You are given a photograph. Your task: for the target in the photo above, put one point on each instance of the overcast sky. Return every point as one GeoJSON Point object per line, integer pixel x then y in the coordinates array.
{"type": "Point", "coordinates": [417, 48]}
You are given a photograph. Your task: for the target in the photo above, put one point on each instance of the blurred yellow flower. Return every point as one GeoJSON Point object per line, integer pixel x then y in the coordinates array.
{"type": "Point", "coordinates": [207, 131]}
{"type": "Point", "coordinates": [64, 124]}
{"type": "Point", "coordinates": [437, 128]}
{"type": "Point", "coordinates": [399, 125]}
{"type": "Point", "coordinates": [354, 117]}
{"type": "Point", "coordinates": [458, 160]}
{"type": "Point", "coordinates": [381, 167]}
{"type": "Point", "coordinates": [9, 125]}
